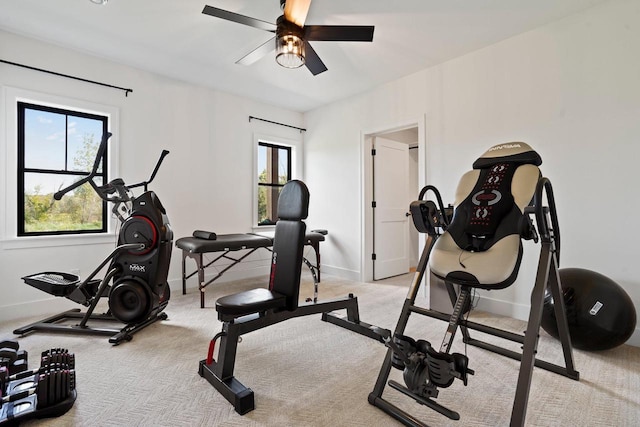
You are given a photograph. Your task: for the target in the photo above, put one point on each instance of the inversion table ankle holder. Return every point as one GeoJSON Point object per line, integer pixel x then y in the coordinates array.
{"type": "Point", "coordinates": [479, 247]}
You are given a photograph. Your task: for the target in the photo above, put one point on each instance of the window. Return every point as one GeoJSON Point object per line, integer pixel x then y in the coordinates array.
{"type": "Point", "coordinates": [57, 147]}
{"type": "Point", "coordinates": [274, 170]}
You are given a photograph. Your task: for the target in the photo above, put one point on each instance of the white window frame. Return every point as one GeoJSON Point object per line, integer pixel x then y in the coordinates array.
{"type": "Point", "coordinates": [9, 159]}
{"type": "Point", "coordinates": [296, 169]}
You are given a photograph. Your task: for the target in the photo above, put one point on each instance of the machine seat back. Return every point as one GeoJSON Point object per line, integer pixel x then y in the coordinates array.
{"type": "Point", "coordinates": [286, 260]}
{"type": "Point", "coordinates": [482, 245]}
{"type": "Point", "coordinates": [288, 242]}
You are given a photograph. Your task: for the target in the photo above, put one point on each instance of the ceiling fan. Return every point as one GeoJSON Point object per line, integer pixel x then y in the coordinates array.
{"type": "Point", "coordinates": [292, 37]}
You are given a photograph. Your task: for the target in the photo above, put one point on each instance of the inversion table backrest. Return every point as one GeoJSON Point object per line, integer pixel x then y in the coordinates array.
{"type": "Point", "coordinates": [482, 245]}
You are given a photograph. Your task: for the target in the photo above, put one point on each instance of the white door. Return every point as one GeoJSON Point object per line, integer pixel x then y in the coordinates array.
{"type": "Point", "coordinates": [390, 188]}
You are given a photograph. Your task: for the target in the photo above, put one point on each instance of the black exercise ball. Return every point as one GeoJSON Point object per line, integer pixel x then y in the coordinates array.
{"type": "Point", "coordinates": [600, 313]}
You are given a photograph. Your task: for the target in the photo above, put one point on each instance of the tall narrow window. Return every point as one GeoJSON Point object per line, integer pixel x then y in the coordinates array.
{"type": "Point", "coordinates": [274, 170]}
{"type": "Point", "coordinates": [57, 147]}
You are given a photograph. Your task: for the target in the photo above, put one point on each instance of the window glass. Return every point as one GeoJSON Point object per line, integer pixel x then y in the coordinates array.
{"type": "Point", "coordinates": [57, 147]}
{"type": "Point", "coordinates": [44, 140]}
{"type": "Point", "coordinates": [274, 170]}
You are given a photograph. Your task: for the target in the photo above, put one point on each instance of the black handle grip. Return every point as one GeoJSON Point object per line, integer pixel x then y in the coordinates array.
{"type": "Point", "coordinates": [96, 164]}
{"type": "Point", "coordinates": [155, 170]}
{"type": "Point", "coordinates": [58, 195]}
{"type": "Point", "coordinates": [153, 174]}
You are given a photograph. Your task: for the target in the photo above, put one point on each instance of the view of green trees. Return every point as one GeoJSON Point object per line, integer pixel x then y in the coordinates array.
{"type": "Point", "coordinates": [268, 198]}
{"type": "Point", "coordinates": [80, 209]}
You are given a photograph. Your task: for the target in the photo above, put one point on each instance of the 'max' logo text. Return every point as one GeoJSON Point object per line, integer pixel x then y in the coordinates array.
{"type": "Point", "coordinates": [137, 267]}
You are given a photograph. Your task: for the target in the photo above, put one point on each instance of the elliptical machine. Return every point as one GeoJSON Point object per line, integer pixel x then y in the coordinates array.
{"type": "Point", "coordinates": [135, 282]}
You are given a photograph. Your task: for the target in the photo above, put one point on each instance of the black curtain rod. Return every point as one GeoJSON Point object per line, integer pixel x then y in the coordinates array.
{"type": "Point", "coordinates": [126, 91]}
{"type": "Point", "coordinates": [276, 123]}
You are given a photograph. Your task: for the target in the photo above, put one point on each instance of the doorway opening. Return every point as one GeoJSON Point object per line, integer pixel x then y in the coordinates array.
{"type": "Point", "coordinates": [393, 173]}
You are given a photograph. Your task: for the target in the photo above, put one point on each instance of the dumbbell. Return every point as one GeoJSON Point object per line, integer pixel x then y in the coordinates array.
{"type": "Point", "coordinates": [53, 382]}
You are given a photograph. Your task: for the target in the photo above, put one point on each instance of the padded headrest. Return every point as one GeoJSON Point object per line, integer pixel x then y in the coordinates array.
{"type": "Point", "coordinates": [293, 203]}
{"type": "Point", "coordinates": [511, 152]}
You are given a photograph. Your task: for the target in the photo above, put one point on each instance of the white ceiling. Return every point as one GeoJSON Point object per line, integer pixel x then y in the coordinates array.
{"type": "Point", "coordinates": [173, 38]}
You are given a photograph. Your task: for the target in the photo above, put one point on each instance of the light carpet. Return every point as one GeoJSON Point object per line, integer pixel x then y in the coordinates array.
{"type": "Point", "coordinates": [306, 372]}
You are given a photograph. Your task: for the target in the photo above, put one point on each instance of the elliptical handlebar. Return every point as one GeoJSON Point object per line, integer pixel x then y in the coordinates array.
{"type": "Point", "coordinates": [153, 174]}
{"type": "Point", "coordinates": [116, 186]}
{"type": "Point", "coordinates": [89, 178]}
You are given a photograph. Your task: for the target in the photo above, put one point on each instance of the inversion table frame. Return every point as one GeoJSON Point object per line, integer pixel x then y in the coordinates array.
{"type": "Point", "coordinates": [546, 277]}
{"type": "Point", "coordinates": [195, 248]}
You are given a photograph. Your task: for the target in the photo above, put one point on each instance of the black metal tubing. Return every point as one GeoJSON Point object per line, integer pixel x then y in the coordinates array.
{"type": "Point", "coordinates": [547, 277]}
{"type": "Point", "coordinates": [540, 213]}
{"type": "Point", "coordinates": [276, 123]}
{"type": "Point", "coordinates": [117, 335]}
{"type": "Point", "coordinates": [153, 174]}
{"type": "Point", "coordinates": [425, 401]}
{"type": "Point", "coordinates": [500, 333]}
{"type": "Point", "coordinates": [49, 324]}
{"type": "Point", "coordinates": [397, 413]}
{"type": "Point", "coordinates": [241, 397]}
{"type": "Point", "coordinates": [220, 373]}
{"type": "Point", "coordinates": [438, 198]}
{"type": "Point", "coordinates": [126, 91]}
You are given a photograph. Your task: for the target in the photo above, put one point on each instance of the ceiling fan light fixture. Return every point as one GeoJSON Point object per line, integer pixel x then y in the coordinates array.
{"type": "Point", "coordinates": [290, 51]}
{"type": "Point", "coordinates": [289, 44]}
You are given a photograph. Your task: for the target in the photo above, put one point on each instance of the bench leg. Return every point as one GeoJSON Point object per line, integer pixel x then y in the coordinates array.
{"type": "Point", "coordinates": [220, 373]}
{"type": "Point", "coordinates": [184, 273]}
{"type": "Point", "coordinates": [201, 284]}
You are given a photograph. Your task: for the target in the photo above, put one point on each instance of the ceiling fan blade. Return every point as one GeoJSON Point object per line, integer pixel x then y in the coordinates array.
{"type": "Point", "coordinates": [296, 11]}
{"type": "Point", "coordinates": [240, 19]}
{"type": "Point", "coordinates": [339, 33]}
{"type": "Point", "coordinates": [313, 61]}
{"type": "Point", "coordinates": [259, 52]}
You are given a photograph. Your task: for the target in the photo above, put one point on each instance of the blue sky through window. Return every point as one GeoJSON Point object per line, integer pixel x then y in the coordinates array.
{"type": "Point", "coordinates": [282, 160]}
{"type": "Point", "coordinates": [45, 134]}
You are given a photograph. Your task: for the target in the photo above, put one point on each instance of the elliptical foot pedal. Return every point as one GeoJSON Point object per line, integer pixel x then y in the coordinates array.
{"type": "Point", "coordinates": [54, 283]}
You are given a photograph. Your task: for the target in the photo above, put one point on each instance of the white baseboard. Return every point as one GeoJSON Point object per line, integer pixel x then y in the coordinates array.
{"type": "Point", "coordinates": [342, 273]}
{"type": "Point", "coordinates": [635, 338]}
{"type": "Point", "coordinates": [44, 307]}
{"type": "Point", "coordinates": [503, 308]}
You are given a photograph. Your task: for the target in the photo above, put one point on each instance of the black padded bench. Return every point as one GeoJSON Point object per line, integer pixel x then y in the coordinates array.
{"type": "Point", "coordinates": [195, 248]}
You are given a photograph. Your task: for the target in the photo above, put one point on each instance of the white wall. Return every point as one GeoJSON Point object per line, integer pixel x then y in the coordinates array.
{"type": "Point", "coordinates": [414, 191]}
{"type": "Point", "coordinates": [570, 89]}
{"type": "Point", "coordinates": [205, 183]}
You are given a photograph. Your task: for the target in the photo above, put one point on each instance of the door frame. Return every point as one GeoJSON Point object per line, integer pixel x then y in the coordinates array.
{"type": "Point", "coordinates": [366, 190]}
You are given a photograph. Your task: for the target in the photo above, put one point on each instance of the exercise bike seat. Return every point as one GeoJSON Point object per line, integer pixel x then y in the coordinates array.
{"type": "Point", "coordinates": [482, 247]}
{"type": "Point", "coordinates": [286, 261]}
